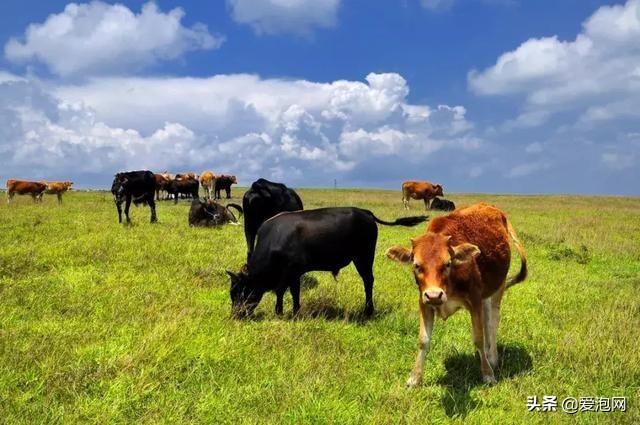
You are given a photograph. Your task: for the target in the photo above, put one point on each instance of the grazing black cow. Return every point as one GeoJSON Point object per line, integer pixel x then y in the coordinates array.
{"type": "Point", "coordinates": [293, 243]}
{"type": "Point", "coordinates": [224, 182]}
{"type": "Point", "coordinates": [138, 186]}
{"type": "Point", "coordinates": [262, 201]}
{"type": "Point", "coordinates": [442, 204]}
{"type": "Point", "coordinates": [187, 187]}
{"type": "Point", "coordinates": [208, 213]}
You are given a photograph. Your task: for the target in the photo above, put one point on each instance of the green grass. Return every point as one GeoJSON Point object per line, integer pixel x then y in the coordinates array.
{"type": "Point", "coordinates": [104, 323]}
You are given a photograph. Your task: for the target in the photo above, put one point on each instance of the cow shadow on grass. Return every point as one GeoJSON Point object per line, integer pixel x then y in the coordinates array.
{"type": "Point", "coordinates": [463, 375]}
{"type": "Point", "coordinates": [326, 308]}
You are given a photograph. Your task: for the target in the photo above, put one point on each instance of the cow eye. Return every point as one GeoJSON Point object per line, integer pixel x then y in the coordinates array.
{"type": "Point", "coordinates": [447, 264]}
{"type": "Point", "coordinates": [417, 268]}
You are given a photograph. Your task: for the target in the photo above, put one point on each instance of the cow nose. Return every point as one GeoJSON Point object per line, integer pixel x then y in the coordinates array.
{"type": "Point", "coordinates": [435, 296]}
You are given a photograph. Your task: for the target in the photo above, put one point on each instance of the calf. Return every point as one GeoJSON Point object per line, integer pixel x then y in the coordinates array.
{"type": "Point", "coordinates": [210, 213]}
{"type": "Point", "coordinates": [208, 182]}
{"type": "Point", "coordinates": [263, 200]}
{"type": "Point", "coordinates": [187, 187]}
{"type": "Point", "coordinates": [442, 204]}
{"type": "Point", "coordinates": [420, 190]}
{"type": "Point", "coordinates": [293, 243]}
{"type": "Point", "coordinates": [224, 182]}
{"type": "Point", "coordinates": [138, 186]}
{"type": "Point", "coordinates": [23, 187]}
{"type": "Point", "coordinates": [462, 262]}
{"type": "Point", "coordinates": [57, 188]}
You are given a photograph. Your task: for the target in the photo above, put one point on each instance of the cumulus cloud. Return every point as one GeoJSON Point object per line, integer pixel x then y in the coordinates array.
{"type": "Point", "coordinates": [597, 74]}
{"type": "Point", "coordinates": [254, 127]}
{"type": "Point", "coordinates": [98, 38]}
{"type": "Point", "coordinates": [285, 16]}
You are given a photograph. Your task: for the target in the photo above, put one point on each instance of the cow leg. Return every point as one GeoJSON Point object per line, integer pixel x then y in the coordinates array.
{"type": "Point", "coordinates": [60, 198]}
{"type": "Point", "coordinates": [175, 199]}
{"type": "Point", "coordinates": [228, 190]}
{"type": "Point", "coordinates": [9, 197]}
{"type": "Point", "coordinates": [426, 203]}
{"type": "Point", "coordinates": [119, 208]}
{"type": "Point", "coordinates": [477, 323]}
{"type": "Point", "coordinates": [152, 205]}
{"type": "Point", "coordinates": [424, 338]}
{"type": "Point", "coordinates": [280, 300]}
{"type": "Point", "coordinates": [365, 269]}
{"type": "Point", "coordinates": [294, 288]}
{"type": "Point", "coordinates": [487, 330]}
{"type": "Point", "coordinates": [127, 205]}
{"type": "Point", "coordinates": [496, 300]}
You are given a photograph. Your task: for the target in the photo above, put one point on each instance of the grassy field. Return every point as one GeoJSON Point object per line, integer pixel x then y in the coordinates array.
{"type": "Point", "coordinates": [104, 323]}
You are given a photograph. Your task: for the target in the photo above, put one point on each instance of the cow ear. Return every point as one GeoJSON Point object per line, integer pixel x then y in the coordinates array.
{"type": "Point", "coordinates": [234, 277]}
{"type": "Point", "coordinates": [464, 253]}
{"type": "Point", "coordinates": [399, 254]}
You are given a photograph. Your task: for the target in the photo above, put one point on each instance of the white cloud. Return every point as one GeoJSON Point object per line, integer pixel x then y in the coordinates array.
{"type": "Point", "coordinates": [528, 168]}
{"type": "Point", "coordinates": [596, 75]}
{"type": "Point", "coordinates": [619, 161]}
{"type": "Point", "coordinates": [234, 123]}
{"type": "Point", "coordinates": [98, 38]}
{"type": "Point", "coordinates": [285, 16]}
{"type": "Point", "coordinates": [436, 4]}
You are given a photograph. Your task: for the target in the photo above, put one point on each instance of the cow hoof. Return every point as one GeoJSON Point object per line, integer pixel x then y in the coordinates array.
{"type": "Point", "coordinates": [413, 381]}
{"type": "Point", "coordinates": [489, 380]}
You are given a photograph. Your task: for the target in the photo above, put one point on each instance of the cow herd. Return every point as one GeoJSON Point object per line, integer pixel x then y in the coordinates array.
{"type": "Point", "coordinates": [460, 261]}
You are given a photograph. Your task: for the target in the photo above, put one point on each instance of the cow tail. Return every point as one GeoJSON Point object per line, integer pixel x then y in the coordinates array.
{"type": "Point", "coordinates": [403, 221]}
{"type": "Point", "coordinates": [522, 274]}
{"type": "Point", "coordinates": [236, 206]}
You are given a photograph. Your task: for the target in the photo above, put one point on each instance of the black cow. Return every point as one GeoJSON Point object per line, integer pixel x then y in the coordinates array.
{"type": "Point", "coordinates": [138, 186]}
{"type": "Point", "coordinates": [262, 201]}
{"type": "Point", "coordinates": [187, 187]}
{"type": "Point", "coordinates": [224, 182]}
{"type": "Point", "coordinates": [293, 243]}
{"type": "Point", "coordinates": [442, 204]}
{"type": "Point", "coordinates": [208, 213]}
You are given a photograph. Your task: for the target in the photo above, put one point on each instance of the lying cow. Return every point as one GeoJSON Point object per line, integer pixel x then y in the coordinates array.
{"type": "Point", "coordinates": [23, 187]}
{"type": "Point", "coordinates": [57, 188]}
{"type": "Point", "coordinates": [263, 200]}
{"type": "Point", "coordinates": [189, 187]}
{"type": "Point", "coordinates": [442, 204]}
{"type": "Point", "coordinates": [208, 182]}
{"type": "Point", "coordinates": [224, 182]}
{"type": "Point", "coordinates": [210, 213]}
{"type": "Point", "coordinates": [293, 243]}
{"type": "Point", "coordinates": [462, 262]}
{"type": "Point", "coordinates": [138, 186]}
{"type": "Point", "coordinates": [420, 190]}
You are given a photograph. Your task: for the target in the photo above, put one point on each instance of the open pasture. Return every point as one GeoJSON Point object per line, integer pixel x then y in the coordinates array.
{"type": "Point", "coordinates": [106, 323]}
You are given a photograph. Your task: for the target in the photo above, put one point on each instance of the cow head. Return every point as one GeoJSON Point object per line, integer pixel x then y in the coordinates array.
{"type": "Point", "coordinates": [68, 185]}
{"type": "Point", "coordinates": [118, 188]}
{"type": "Point", "coordinates": [439, 190]}
{"type": "Point", "coordinates": [433, 257]}
{"type": "Point", "coordinates": [233, 179]}
{"type": "Point", "coordinates": [244, 296]}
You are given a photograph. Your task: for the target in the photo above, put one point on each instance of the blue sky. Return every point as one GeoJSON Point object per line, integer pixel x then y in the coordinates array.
{"type": "Point", "coordinates": [479, 95]}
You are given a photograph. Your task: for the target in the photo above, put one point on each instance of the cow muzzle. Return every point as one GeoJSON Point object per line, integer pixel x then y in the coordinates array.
{"type": "Point", "coordinates": [434, 296]}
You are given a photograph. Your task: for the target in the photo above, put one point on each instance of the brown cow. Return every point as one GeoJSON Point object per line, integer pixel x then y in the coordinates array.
{"type": "Point", "coordinates": [23, 187]}
{"type": "Point", "coordinates": [57, 188]}
{"type": "Point", "coordinates": [162, 180]}
{"type": "Point", "coordinates": [186, 176]}
{"type": "Point", "coordinates": [208, 183]}
{"type": "Point", "coordinates": [462, 262]}
{"type": "Point", "coordinates": [420, 190]}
